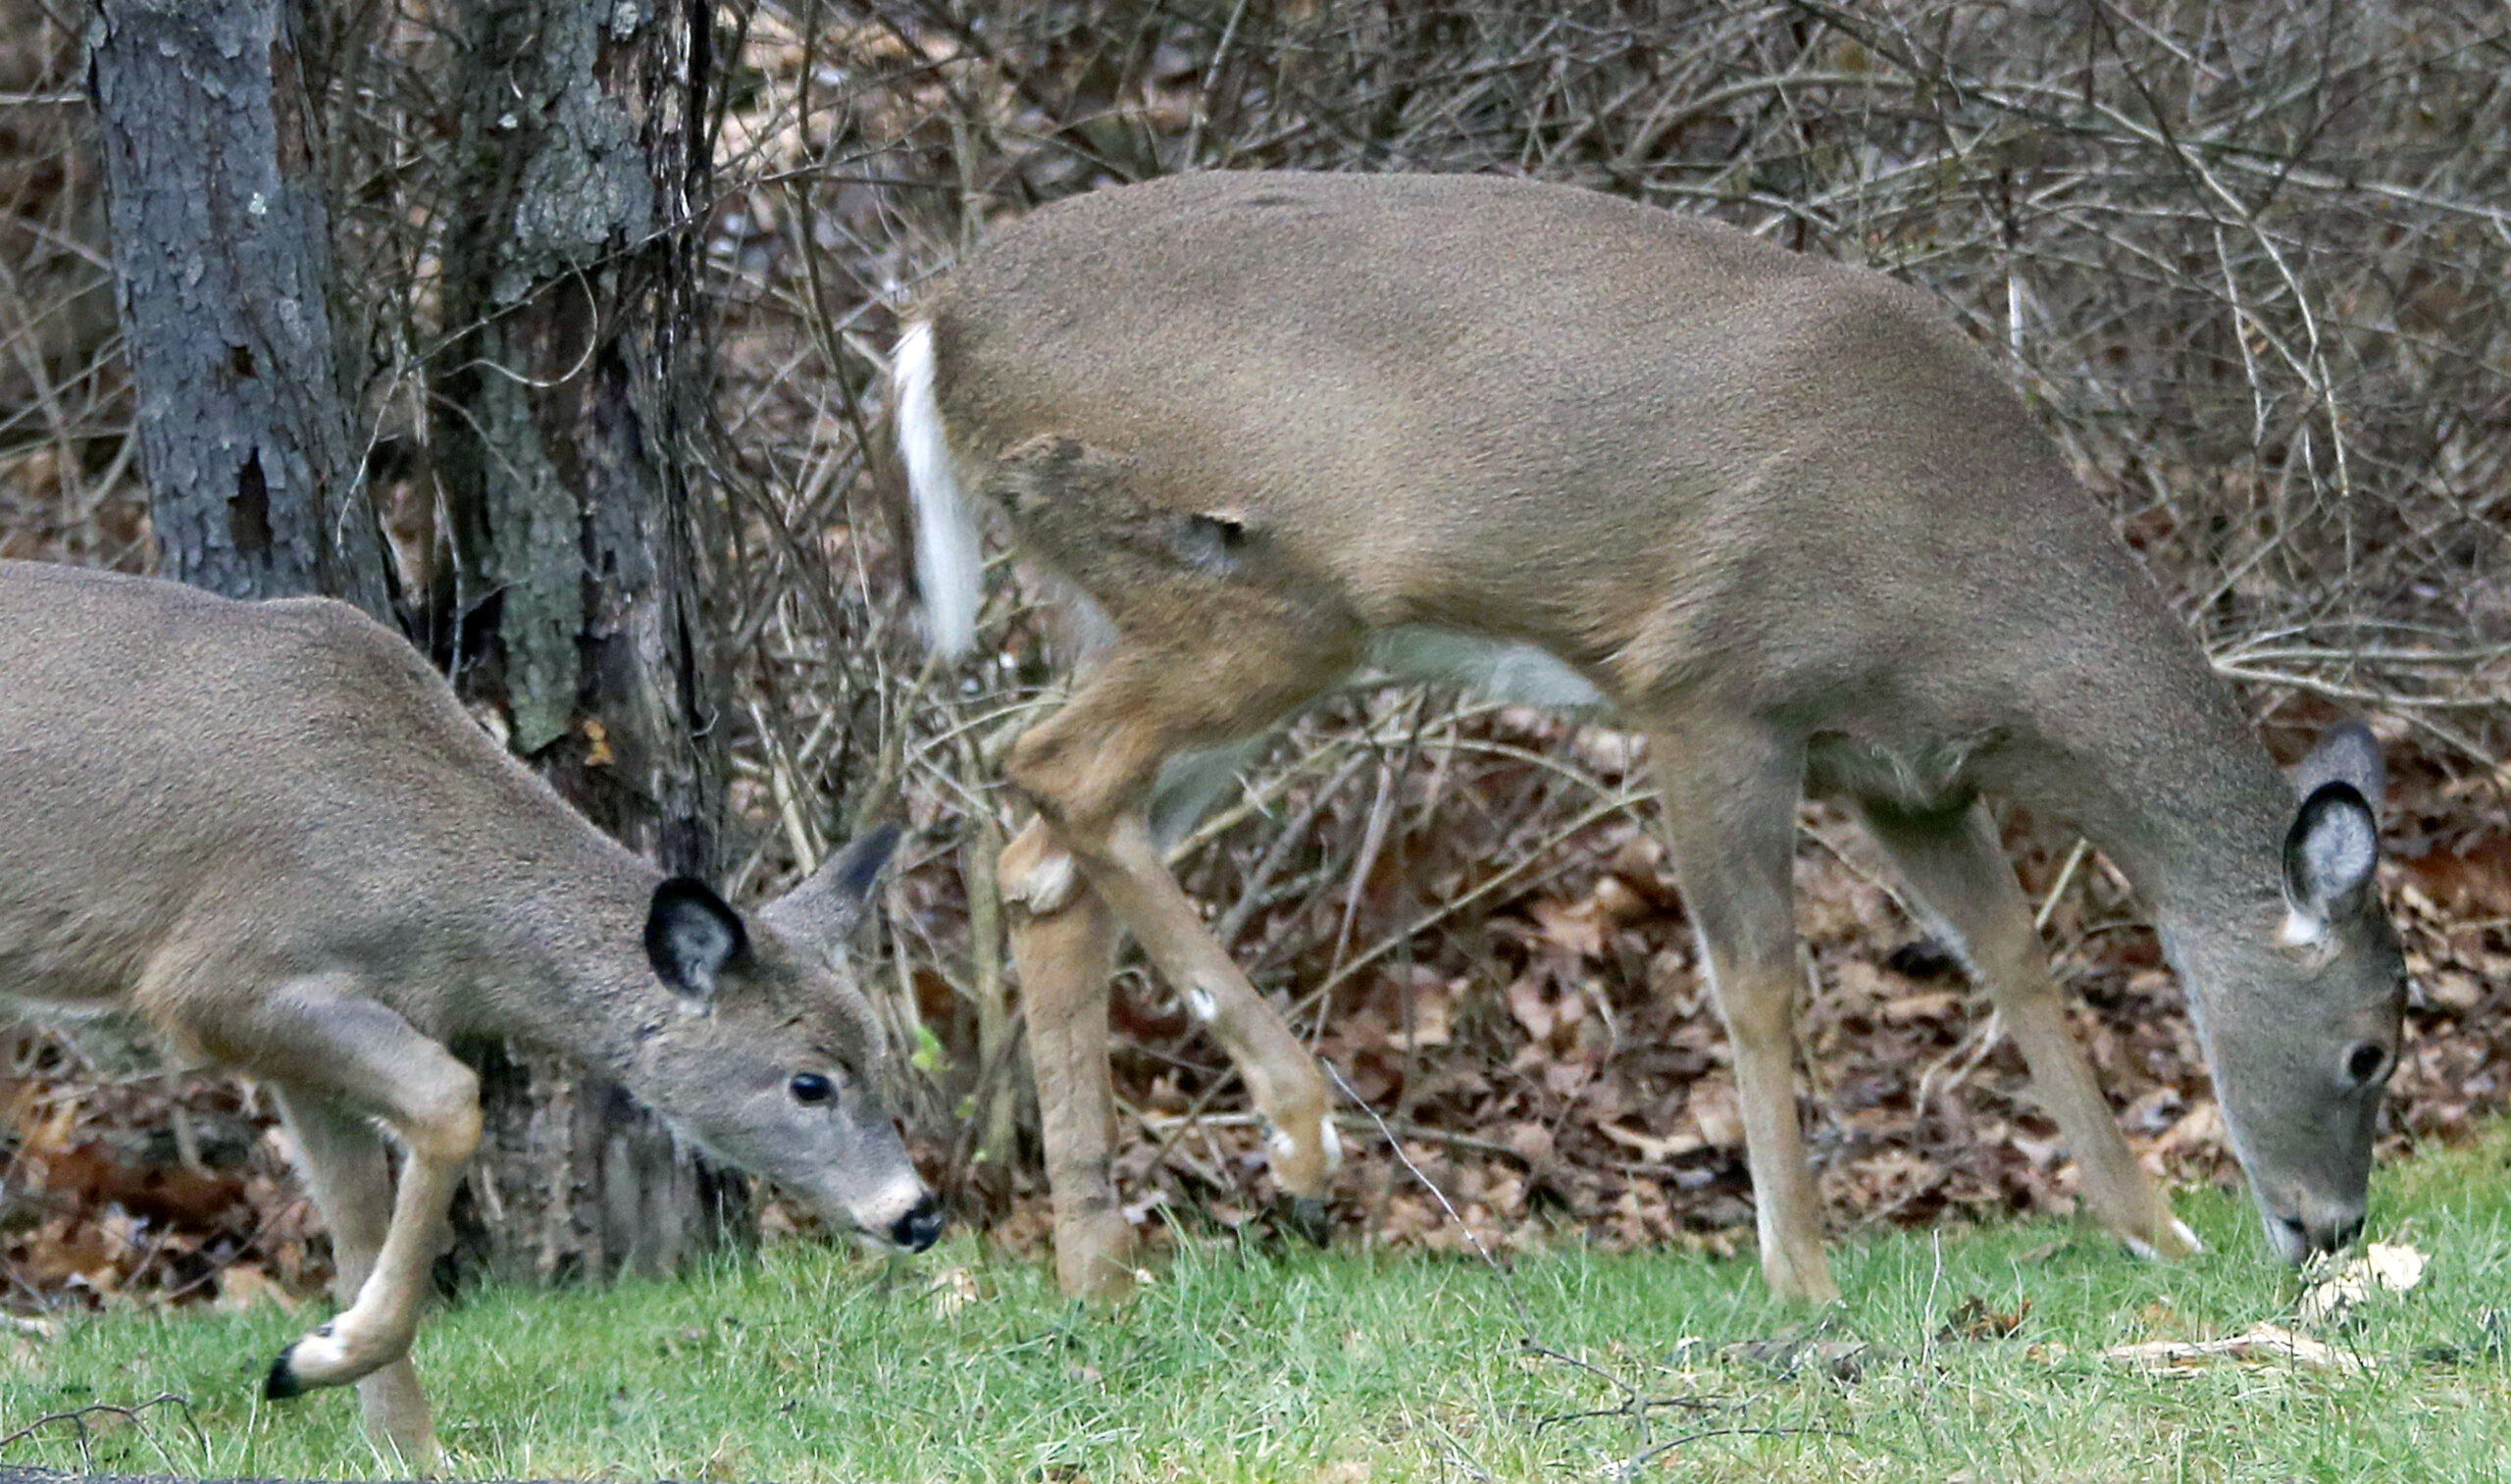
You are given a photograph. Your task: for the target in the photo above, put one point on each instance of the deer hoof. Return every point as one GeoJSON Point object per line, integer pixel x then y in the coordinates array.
{"type": "Point", "coordinates": [283, 1383]}
{"type": "Point", "coordinates": [1308, 1216]}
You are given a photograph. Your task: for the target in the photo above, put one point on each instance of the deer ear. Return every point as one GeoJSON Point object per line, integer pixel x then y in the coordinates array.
{"type": "Point", "coordinates": [2329, 855]}
{"type": "Point", "coordinates": [691, 936]}
{"type": "Point", "coordinates": [2346, 752]}
{"type": "Point", "coordinates": [818, 915]}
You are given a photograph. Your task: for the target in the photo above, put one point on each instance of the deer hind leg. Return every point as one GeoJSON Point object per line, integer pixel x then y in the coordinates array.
{"type": "Point", "coordinates": [1730, 796]}
{"type": "Point", "coordinates": [343, 1159]}
{"type": "Point", "coordinates": [1953, 865]}
{"type": "Point", "coordinates": [331, 1045]}
{"type": "Point", "coordinates": [1090, 770]}
{"type": "Point", "coordinates": [1216, 634]}
{"type": "Point", "coordinates": [1064, 942]}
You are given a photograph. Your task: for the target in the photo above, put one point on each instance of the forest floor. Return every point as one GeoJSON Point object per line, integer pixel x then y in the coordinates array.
{"type": "Point", "coordinates": [1978, 1352]}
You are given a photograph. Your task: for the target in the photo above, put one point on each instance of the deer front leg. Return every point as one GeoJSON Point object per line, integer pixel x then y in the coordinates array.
{"type": "Point", "coordinates": [1064, 941]}
{"type": "Point", "coordinates": [330, 1045]}
{"type": "Point", "coordinates": [343, 1161]}
{"type": "Point", "coordinates": [1953, 867]}
{"type": "Point", "coordinates": [1730, 797]}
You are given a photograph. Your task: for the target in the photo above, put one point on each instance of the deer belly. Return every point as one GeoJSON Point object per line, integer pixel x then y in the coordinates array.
{"type": "Point", "coordinates": [1505, 670]}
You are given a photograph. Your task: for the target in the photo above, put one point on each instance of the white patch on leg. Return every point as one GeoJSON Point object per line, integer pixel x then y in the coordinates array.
{"type": "Point", "coordinates": [319, 1357]}
{"type": "Point", "coordinates": [1281, 1146]}
{"type": "Point", "coordinates": [950, 555]}
{"type": "Point", "coordinates": [333, 1353]}
{"type": "Point", "coordinates": [1047, 887]}
{"type": "Point", "coordinates": [2139, 1247]}
{"type": "Point", "coordinates": [1200, 1004]}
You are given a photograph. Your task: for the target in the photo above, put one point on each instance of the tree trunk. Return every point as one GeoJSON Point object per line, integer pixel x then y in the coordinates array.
{"type": "Point", "coordinates": [224, 267]}
{"type": "Point", "coordinates": [571, 599]}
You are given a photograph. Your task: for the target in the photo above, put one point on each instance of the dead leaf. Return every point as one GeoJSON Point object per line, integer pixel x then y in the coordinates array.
{"type": "Point", "coordinates": [1616, 901]}
{"type": "Point", "coordinates": [2453, 989]}
{"type": "Point", "coordinates": [1717, 1114]}
{"type": "Point", "coordinates": [1910, 1009]}
{"type": "Point", "coordinates": [1650, 1147]}
{"type": "Point", "coordinates": [1433, 1018]}
{"type": "Point", "coordinates": [2384, 1267]}
{"type": "Point", "coordinates": [2260, 1345]}
{"type": "Point", "coordinates": [1533, 1143]}
{"type": "Point", "coordinates": [1532, 1009]}
{"type": "Point", "coordinates": [952, 1289]}
{"type": "Point", "coordinates": [1971, 1319]}
{"type": "Point", "coordinates": [1575, 926]}
{"type": "Point", "coordinates": [244, 1285]}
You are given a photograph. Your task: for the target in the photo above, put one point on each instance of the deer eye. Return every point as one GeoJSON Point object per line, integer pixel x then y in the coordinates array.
{"type": "Point", "coordinates": [811, 1087]}
{"type": "Point", "coordinates": [2365, 1063]}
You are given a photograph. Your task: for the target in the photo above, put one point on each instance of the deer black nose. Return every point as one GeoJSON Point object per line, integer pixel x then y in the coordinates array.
{"type": "Point", "coordinates": [921, 1227]}
{"type": "Point", "coordinates": [2316, 1237]}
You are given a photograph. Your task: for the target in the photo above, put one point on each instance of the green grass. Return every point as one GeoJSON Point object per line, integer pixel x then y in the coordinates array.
{"type": "Point", "coordinates": [1245, 1365]}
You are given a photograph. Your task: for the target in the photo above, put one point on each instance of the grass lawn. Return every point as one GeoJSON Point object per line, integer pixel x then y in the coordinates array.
{"type": "Point", "coordinates": [816, 1363]}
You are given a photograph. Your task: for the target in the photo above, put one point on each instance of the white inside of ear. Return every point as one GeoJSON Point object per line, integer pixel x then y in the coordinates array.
{"type": "Point", "coordinates": [2301, 930]}
{"type": "Point", "coordinates": [700, 945]}
{"type": "Point", "coordinates": [2339, 852]}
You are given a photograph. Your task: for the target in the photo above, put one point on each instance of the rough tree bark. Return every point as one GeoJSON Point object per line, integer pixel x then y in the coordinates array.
{"type": "Point", "coordinates": [224, 267]}
{"type": "Point", "coordinates": [569, 290]}
{"type": "Point", "coordinates": [569, 597]}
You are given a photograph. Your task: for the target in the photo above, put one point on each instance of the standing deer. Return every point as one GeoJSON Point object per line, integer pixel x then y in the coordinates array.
{"type": "Point", "coordinates": [1780, 512]}
{"type": "Point", "coordinates": [272, 830]}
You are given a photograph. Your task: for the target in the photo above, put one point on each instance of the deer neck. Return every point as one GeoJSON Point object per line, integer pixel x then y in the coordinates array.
{"type": "Point", "coordinates": [569, 971]}
{"type": "Point", "coordinates": [2186, 802]}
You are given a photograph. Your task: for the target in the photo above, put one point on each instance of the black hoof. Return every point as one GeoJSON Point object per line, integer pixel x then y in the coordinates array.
{"type": "Point", "coordinates": [1310, 1218]}
{"type": "Point", "coordinates": [281, 1383]}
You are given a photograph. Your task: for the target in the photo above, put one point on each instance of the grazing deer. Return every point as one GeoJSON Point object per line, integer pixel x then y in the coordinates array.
{"type": "Point", "coordinates": [272, 830]}
{"type": "Point", "coordinates": [1778, 512]}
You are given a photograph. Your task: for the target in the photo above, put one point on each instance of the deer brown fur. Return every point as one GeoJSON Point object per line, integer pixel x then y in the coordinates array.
{"type": "Point", "coordinates": [1776, 511]}
{"type": "Point", "coordinates": [272, 832]}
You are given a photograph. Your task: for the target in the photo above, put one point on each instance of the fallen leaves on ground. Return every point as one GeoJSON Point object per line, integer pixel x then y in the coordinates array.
{"type": "Point", "coordinates": [2338, 1288]}
{"type": "Point", "coordinates": [2260, 1345]}
{"type": "Point", "coordinates": [1975, 1319]}
{"type": "Point", "coordinates": [1549, 1058]}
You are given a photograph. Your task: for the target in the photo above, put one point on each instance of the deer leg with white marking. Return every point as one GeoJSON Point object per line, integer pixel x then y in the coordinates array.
{"type": "Point", "coordinates": [328, 1045]}
{"type": "Point", "coordinates": [1063, 940]}
{"type": "Point", "coordinates": [1953, 864]}
{"type": "Point", "coordinates": [1730, 796]}
{"type": "Point", "coordinates": [1091, 769]}
{"type": "Point", "coordinates": [343, 1159]}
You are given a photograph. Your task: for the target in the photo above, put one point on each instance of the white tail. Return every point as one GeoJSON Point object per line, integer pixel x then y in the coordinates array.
{"type": "Point", "coordinates": [950, 556]}
{"type": "Point", "coordinates": [1778, 512]}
